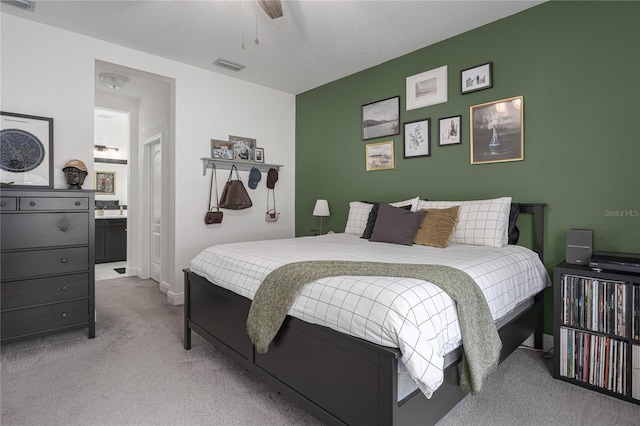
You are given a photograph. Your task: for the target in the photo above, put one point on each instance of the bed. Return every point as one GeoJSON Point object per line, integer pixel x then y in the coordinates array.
{"type": "Point", "coordinates": [343, 373]}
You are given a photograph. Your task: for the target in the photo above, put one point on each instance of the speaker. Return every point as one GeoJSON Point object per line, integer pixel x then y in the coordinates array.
{"type": "Point", "coordinates": [579, 246]}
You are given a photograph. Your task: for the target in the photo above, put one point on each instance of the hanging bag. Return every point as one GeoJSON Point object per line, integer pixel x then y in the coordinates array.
{"type": "Point", "coordinates": [272, 177]}
{"type": "Point", "coordinates": [211, 216]}
{"type": "Point", "coordinates": [234, 195]}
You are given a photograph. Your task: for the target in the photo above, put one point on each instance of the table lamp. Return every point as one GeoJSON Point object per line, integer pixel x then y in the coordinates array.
{"type": "Point", "coordinates": [321, 209]}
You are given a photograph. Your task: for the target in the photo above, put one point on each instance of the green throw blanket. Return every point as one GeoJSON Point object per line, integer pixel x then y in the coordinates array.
{"type": "Point", "coordinates": [481, 341]}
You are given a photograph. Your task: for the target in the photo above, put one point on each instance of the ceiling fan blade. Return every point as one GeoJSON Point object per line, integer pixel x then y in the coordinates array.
{"type": "Point", "coordinates": [273, 8]}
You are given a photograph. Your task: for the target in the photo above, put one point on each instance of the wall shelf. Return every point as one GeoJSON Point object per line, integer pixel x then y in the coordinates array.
{"type": "Point", "coordinates": [243, 166]}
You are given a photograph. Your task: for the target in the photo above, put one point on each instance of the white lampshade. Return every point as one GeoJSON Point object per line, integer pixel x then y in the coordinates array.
{"type": "Point", "coordinates": [321, 208]}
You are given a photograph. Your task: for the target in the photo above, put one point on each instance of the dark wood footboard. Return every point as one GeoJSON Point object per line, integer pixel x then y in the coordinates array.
{"type": "Point", "coordinates": [338, 378]}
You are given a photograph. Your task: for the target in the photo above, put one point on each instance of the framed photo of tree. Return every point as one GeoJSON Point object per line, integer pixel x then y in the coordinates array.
{"type": "Point", "coordinates": [416, 138]}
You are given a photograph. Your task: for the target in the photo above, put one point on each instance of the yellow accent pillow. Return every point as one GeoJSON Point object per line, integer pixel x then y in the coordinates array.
{"type": "Point", "coordinates": [437, 227]}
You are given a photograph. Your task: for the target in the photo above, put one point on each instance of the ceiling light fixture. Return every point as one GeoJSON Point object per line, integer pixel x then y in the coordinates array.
{"type": "Point", "coordinates": [231, 66]}
{"type": "Point", "coordinates": [113, 81]}
{"type": "Point", "coordinates": [23, 4]}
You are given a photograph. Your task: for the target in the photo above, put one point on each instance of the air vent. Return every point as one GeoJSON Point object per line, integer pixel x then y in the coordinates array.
{"type": "Point", "coordinates": [232, 66]}
{"type": "Point", "coordinates": [23, 4]}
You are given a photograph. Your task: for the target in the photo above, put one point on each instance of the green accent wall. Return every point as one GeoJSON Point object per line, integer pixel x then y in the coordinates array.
{"type": "Point", "coordinates": [577, 65]}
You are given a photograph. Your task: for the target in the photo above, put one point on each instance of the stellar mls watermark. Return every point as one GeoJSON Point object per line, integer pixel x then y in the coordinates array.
{"type": "Point", "coordinates": [622, 213]}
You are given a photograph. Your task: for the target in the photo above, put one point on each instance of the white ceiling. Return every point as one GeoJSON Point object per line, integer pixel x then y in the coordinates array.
{"type": "Point", "coordinates": [314, 43]}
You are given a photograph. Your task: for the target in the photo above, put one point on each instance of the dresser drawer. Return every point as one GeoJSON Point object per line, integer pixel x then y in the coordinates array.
{"type": "Point", "coordinates": [22, 231]}
{"type": "Point", "coordinates": [24, 322]}
{"type": "Point", "coordinates": [7, 203]}
{"type": "Point", "coordinates": [18, 294]}
{"type": "Point", "coordinates": [25, 264]}
{"type": "Point", "coordinates": [54, 203]}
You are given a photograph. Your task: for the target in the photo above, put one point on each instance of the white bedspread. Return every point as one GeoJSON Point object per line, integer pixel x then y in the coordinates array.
{"type": "Point", "coordinates": [412, 315]}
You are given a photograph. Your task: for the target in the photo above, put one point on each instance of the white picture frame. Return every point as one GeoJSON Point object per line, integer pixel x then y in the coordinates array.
{"type": "Point", "coordinates": [427, 88]}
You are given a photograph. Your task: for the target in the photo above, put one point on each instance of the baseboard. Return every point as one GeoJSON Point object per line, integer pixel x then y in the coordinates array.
{"type": "Point", "coordinates": [547, 342]}
{"type": "Point", "coordinates": [175, 298]}
{"type": "Point", "coordinates": [165, 287]}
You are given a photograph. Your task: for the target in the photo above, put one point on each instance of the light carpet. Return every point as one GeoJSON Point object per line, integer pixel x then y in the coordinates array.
{"type": "Point", "coordinates": [136, 372]}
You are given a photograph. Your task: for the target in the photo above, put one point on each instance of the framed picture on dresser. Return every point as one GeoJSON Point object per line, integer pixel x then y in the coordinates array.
{"type": "Point", "coordinates": [26, 150]}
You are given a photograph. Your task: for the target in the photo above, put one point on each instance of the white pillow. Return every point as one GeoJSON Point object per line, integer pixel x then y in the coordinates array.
{"type": "Point", "coordinates": [481, 222]}
{"type": "Point", "coordinates": [359, 214]}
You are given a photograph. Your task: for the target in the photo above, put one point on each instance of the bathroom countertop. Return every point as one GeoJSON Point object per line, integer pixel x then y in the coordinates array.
{"type": "Point", "coordinates": [112, 214]}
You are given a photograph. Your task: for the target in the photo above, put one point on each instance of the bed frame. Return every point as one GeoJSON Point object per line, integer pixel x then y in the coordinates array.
{"type": "Point", "coordinates": [338, 378]}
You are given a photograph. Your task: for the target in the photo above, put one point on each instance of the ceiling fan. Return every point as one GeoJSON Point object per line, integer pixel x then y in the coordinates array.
{"type": "Point", "coordinates": [273, 8]}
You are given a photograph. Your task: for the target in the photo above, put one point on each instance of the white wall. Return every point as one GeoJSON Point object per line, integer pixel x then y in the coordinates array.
{"type": "Point", "coordinates": [50, 72]}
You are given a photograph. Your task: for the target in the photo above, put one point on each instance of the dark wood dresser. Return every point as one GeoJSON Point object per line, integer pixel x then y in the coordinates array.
{"type": "Point", "coordinates": [47, 275]}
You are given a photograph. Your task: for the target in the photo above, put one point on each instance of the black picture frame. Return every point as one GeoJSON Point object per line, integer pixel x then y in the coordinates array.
{"type": "Point", "coordinates": [26, 151]}
{"type": "Point", "coordinates": [479, 77]}
{"type": "Point", "coordinates": [381, 118]}
{"type": "Point", "coordinates": [417, 140]}
{"type": "Point", "coordinates": [258, 155]}
{"type": "Point", "coordinates": [450, 130]}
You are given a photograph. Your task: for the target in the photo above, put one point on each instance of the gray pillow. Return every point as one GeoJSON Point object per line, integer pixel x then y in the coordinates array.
{"type": "Point", "coordinates": [373, 215]}
{"type": "Point", "coordinates": [396, 225]}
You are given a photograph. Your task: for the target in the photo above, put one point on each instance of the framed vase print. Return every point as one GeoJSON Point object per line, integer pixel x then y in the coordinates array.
{"type": "Point", "coordinates": [26, 151]}
{"type": "Point", "coordinates": [497, 131]}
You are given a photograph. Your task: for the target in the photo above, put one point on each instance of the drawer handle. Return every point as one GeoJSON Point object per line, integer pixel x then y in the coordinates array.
{"type": "Point", "coordinates": [33, 203]}
{"type": "Point", "coordinates": [2, 204]}
{"type": "Point", "coordinates": [77, 203]}
{"type": "Point", "coordinates": [63, 288]}
{"type": "Point", "coordinates": [63, 315]}
{"type": "Point", "coordinates": [63, 229]}
{"type": "Point", "coordinates": [63, 260]}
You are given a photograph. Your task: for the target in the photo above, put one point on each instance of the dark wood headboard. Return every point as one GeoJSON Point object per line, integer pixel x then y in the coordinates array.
{"type": "Point", "coordinates": [537, 209]}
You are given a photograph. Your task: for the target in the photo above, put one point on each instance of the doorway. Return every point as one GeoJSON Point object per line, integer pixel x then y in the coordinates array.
{"type": "Point", "coordinates": [111, 176]}
{"type": "Point", "coordinates": [149, 99]}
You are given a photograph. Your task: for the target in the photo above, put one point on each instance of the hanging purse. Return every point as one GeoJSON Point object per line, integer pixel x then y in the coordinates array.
{"type": "Point", "coordinates": [211, 216]}
{"type": "Point", "coordinates": [234, 195]}
{"type": "Point", "coordinates": [272, 177]}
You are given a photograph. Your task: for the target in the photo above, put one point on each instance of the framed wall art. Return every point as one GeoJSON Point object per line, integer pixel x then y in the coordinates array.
{"type": "Point", "coordinates": [497, 131]}
{"type": "Point", "coordinates": [258, 154]}
{"type": "Point", "coordinates": [26, 150]}
{"type": "Point", "coordinates": [381, 118]}
{"type": "Point", "coordinates": [476, 78]}
{"type": "Point", "coordinates": [416, 138]}
{"type": "Point", "coordinates": [221, 149]}
{"type": "Point", "coordinates": [427, 88]}
{"type": "Point", "coordinates": [379, 156]}
{"type": "Point", "coordinates": [449, 130]}
{"type": "Point", "coordinates": [105, 183]}
{"type": "Point", "coordinates": [242, 147]}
